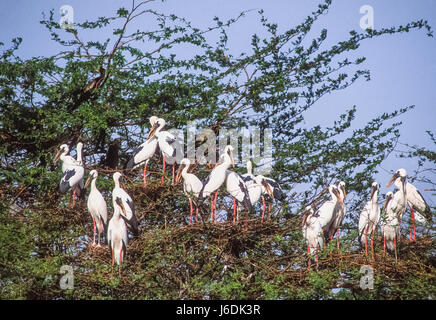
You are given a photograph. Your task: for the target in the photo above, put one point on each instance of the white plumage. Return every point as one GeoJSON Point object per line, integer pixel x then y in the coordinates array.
{"type": "Point", "coordinates": [97, 206]}
{"type": "Point", "coordinates": [168, 144]}
{"type": "Point", "coordinates": [72, 169]}
{"type": "Point", "coordinates": [389, 224]}
{"type": "Point", "coordinates": [144, 152]}
{"type": "Point", "coordinates": [117, 234]}
{"type": "Point", "coordinates": [129, 208]}
{"type": "Point", "coordinates": [339, 215]}
{"type": "Point", "coordinates": [191, 184]}
{"type": "Point", "coordinates": [328, 210]}
{"type": "Point", "coordinates": [217, 177]}
{"type": "Point", "coordinates": [312, 231]}
{"type": "Point", "coordinates": [369, 217]}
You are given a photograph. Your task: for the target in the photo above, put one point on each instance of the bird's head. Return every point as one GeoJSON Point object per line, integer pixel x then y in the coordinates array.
{"type": "Point", "coordinates": [389, 197]}
{"type": "Point", "coordinates": [341, 186]}
{"type": "Point", "coordinates": [374, 187]}
{"type": "Point", "coordinates": [337, 194]}
{"type": "Point", "coordinates": [158, 123]}
{"type": "Point", "coordinates": [185, 163]}
{"type": "Point", "coordinates": [400, 174]}
{"type": "Point", "coordinates": [260, 180]}
{"type": "Point", "coordinates": [228, 151]}
{"type": "Point", "coordinates": [93, 174]}
{"type": "Point", "coordinates": [308, 210]}
{"type": "Point", "coordinates": [63, 149]}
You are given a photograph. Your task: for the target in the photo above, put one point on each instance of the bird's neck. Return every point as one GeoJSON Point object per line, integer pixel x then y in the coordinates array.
{"type": "Point", "coordinates": [117, 184]}
{"type": "Point", "coordinates": [249, 169]}
{"type": "Point", "coordinates": [79, 155]}
{"type": "Point", "coordinates": [374, 197]}
{"type": "Point", "coordinates": [93, 184]}
{"type": "Point", "coordinates": [185, 171]}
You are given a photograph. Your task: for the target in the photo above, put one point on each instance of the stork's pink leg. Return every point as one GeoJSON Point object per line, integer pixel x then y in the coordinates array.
{"type": "Point", "coordinates": [211, 209]}
{"type": "Point", "coordinates": [395, 247]}
{"type": "Point", "coordinates": [214, 203]}
{"type": "Point", "coordinates": [399, 230]}
{"type": "Point", "coordinates": [234, 210]}
{"type": "Point", "coordinates": [237, 212]}
{"type": "Point", "coordinates": [163, 171]}
{"type": "Point", "coordinates": [337, 239]}
{"type": "Point", "coordinates": [263, 209]}
{"type": "Point", "coordinates": [74, 196]}
{"type": "Point", "coordinates": [196, 215]}
{"type": "Point", "coordinates": [372, 245]}
{"type": "Point", "coordinates": [412, 225]}
{"type": "Point", "coordinates": [93, 221]}
{"type": "Point", "coordinates": [99, 230]}
{"type": "Point", "coordinates": [316, 257]}
{"type": "Point", "coordinates": [190, 205]}
{"type": "Point", "coordinates": [384, 243]}
{"type": "Point", "coordinates": [173, 174]}
{"type": "Point", "coordinates": [144, 177]}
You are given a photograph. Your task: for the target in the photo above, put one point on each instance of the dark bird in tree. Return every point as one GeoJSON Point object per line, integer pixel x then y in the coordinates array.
{"type": "Point", "coordinates": [95, 83]}
{"type": "Point", "coordinates": [112, 156]}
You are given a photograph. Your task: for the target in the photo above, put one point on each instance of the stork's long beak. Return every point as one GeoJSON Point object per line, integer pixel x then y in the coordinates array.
{"type": "Point", "coordinates": [305, 215]}
{"type": "Point", "coordinates": [88, 181]}
{"type": "Point", "coordinates": [394, 177]}
{"type": "Point", "coordinates": [345, 192]}
{"type": "Point", "coordinates": [232, 159]}
{"type": "Point", "coordinates": [58, 155]}
{"type": "Point", "coordinates": [372, 192]}
{"type": "Point", "coordinates": [385, 205]}
{"type": "Point", "coordinates": [179, 173]}
{"type": "Point", "coordinates": [268, 189]}
{"type": "Point", "coordinates": [338, 196]}
{"type": "Point", "coordinates": [122, 184]}
{"type": "Point", "coordinates": [120, 203]}
{"type": "Point", "coordinates": [153, 131]}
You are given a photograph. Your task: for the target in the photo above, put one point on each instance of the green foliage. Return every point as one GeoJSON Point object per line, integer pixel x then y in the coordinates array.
{"type": "Point", "coordinates": [93, 91]}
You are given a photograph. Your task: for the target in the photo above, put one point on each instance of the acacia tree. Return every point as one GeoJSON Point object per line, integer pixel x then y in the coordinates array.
{"type": "Point", "coordinates": [95, 90]}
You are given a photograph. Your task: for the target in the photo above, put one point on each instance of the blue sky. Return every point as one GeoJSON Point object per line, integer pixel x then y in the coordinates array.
{"type": "Point", "coordinates": [403, 68]}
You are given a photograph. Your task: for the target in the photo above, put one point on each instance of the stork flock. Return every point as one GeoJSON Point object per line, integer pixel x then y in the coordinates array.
{"type": "Point", "coordinates": [321, 225]}
{"type": "Point", "coordinates": [246, 189]}
{"type": "Point", "coordinates": [318, 226]}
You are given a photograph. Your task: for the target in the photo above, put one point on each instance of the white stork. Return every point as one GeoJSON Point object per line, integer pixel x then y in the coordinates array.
{"type": "Point", "coordinates": [167, 144]}
{"type": "Point", "coordinates": [390, 223]}
{"type": "Point", "coordinates": [144, 152]}
{"type": "Point", "coordinates": [66, 159]}
{"type": "Point", "coordinates": [191, 184]}
{"type": "Point", "coordinates": [117, 234]}
{"type": "Point", "coordinates": [418, 207]}
{"type": "Point", "coordinates": [257, 189]}
{"type": "Point", "coordinates": [312, 232]}
{"type": "Point", "coordinates": [129, 208]}
{"type": "Point", "coordinates": [73, 171]}
{"type": "Point", "coordinates": [328, 211]}
{"type": "Point", "coordinates": [216, 178]}
{"type": "Point", "coordinates": [340, 214]}
{"type": "Point", "coordinates": [96, 206]}
{"type": "Point", "coordinates": [276, 193]}
{"type": "Point", "coordinates": [400, 197]}
{"type": "Point", "coordinates": [369, 218]}
{"type": "Point", "coordinates": [238, 189]}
